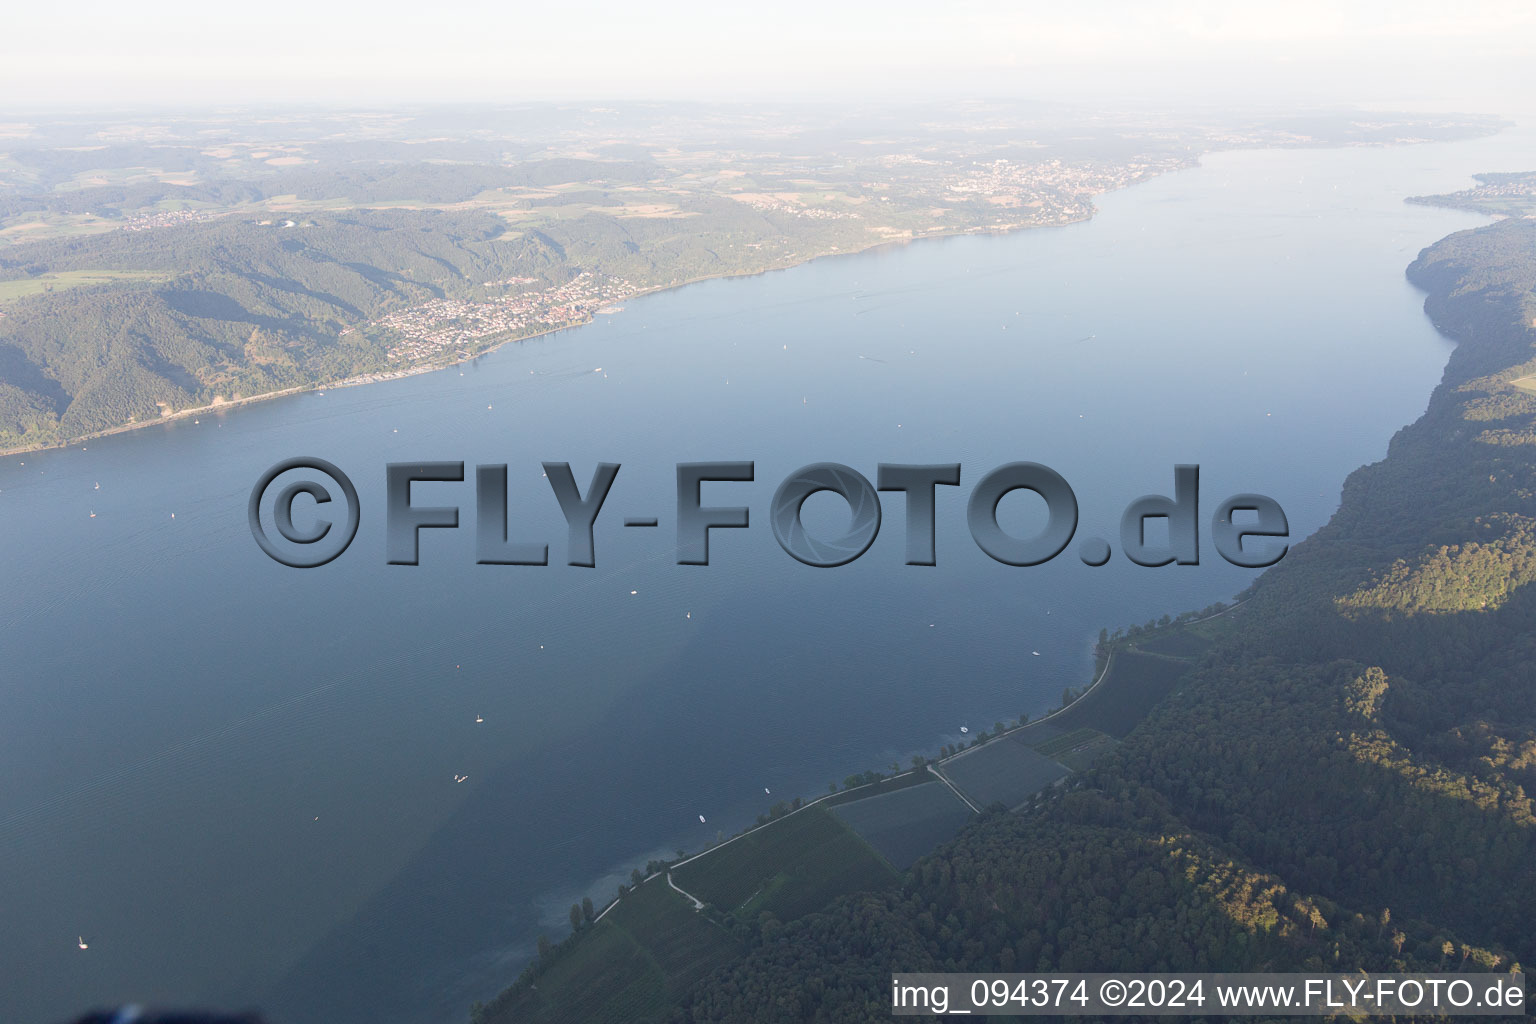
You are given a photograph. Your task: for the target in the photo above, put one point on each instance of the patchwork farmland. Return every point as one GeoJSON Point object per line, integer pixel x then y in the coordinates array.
{"type": "Point", "coordinates": [906, 823]}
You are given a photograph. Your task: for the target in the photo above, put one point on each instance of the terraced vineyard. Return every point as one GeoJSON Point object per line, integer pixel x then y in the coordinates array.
{"type": "Point", "coordinates": [1076, 749]}
{"type": "Point", "coordinates": [794, 866]}
{"type": "Point", "coordinates": [904, 824]}
{"type": "Point", "coordinates": [630, 966]}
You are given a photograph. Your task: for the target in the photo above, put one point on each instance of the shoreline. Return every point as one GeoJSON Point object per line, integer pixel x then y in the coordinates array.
{"type": "Point", "coordinates": [383, 376]}
{"type": "Point", "coordinates": [1195, 161]}
{"type": "Point", "coordinates": [1419, 275]}
{"type": "Point", "coordinates": [931, 766]}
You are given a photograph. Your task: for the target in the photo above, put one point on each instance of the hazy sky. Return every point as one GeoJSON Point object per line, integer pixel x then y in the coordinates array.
{"type": "Point", "coordinates": [1473, 56]}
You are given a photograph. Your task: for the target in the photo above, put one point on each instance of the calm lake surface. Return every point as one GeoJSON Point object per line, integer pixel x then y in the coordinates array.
{"type": "Point", "coordinates": [236, 780]}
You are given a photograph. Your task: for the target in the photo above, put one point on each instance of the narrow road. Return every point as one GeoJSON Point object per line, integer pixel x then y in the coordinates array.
{"type": "Point", "coordinates": [698, 904]}
{"type": "Point", "coordinates": [940, 776]}
{"type": "Point", "coordinates": [1037, 722]}
{"type": "Point", "coordinates": [932, 767]}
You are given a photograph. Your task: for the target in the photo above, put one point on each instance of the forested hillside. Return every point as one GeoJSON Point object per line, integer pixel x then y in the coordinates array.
{"type": "Point", "coordinates": [124, 327]}
{"type": "Point", "coordinates": [1343, 782]}
{"type": "Point", "coordinates": [240, 308]}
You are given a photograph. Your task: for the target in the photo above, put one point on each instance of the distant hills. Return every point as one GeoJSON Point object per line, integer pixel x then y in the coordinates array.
{"type": "Point", "coordinates": [151, 266]}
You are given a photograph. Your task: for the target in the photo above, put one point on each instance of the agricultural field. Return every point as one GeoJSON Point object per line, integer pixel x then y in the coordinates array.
{"type": "Point", "coordinates": [1077, 749]}
{"type": "Point", "coordinates": [630, 966]}
{"type": "Point", "coordinates": [904, 824]}
{"type": "Point", "coordinates": [1176, 643]}
{"type": "Point", "coordinates": [1135, 682]}
{"type": "Point", "coordinates": [1003, 771]}
{"type": "Point", "coordinates": [919, 777]}
{"type": "Point", "coordinates": [64, 280]}
{"type": "Point", "coordinates": [791, 867]}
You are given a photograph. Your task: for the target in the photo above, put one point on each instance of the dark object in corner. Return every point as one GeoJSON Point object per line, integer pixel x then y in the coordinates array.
{"type": "Point", "coordinates": [135, 1015]}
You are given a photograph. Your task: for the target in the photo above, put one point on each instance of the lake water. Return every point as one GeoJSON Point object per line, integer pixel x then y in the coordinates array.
{"type": "Point", "coordinates": [236, 779]}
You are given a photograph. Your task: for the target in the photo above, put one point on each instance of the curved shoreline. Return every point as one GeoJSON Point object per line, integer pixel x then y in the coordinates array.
{"type": "Point", "coordinates": [382, 376]}
{"type": "Point", "coordinates": [929, 766]}
{"type": "Point", "coordinates": [1195, 161]}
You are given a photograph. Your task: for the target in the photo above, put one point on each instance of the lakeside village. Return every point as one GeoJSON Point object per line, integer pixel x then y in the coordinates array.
{"type": "Point", "coordinates": [1059, 192]}
{"type": "Point", "coordinates": [434, 328]}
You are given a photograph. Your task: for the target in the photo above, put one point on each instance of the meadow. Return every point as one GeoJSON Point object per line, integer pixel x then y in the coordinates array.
{"type": "Point", "coordinates": [64, 280]}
